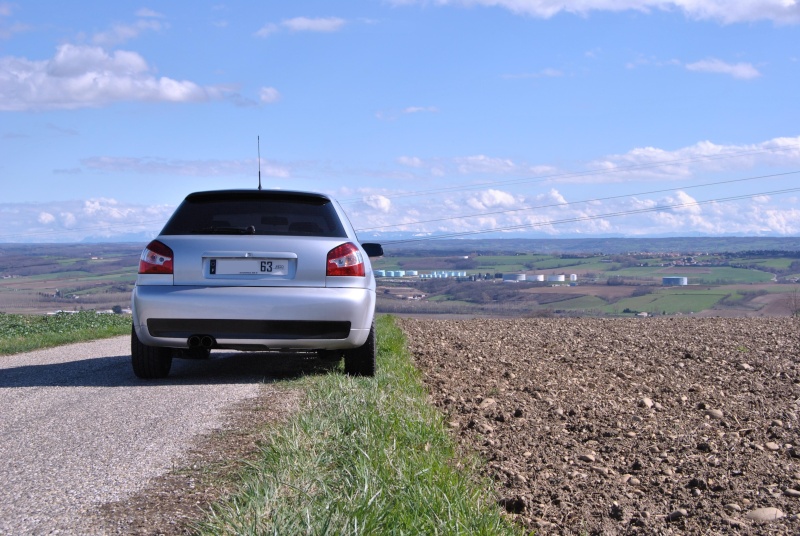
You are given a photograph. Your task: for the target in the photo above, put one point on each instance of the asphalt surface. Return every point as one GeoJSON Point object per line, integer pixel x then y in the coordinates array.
{"type": "Point", "coordinates": [78, 429]}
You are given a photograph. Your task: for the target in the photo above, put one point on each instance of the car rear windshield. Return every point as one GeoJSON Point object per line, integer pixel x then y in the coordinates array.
{"type": "Point", "coordinates": [255, 213]}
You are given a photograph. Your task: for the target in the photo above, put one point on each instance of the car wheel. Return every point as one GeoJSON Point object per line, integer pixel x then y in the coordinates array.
{"type": "Point", "coordinates": [361, 361]}
{"type": "Point", "coordinates": [149, 362]}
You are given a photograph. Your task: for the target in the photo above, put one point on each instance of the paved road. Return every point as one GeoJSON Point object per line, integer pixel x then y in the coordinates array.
{"type": "Point", "coordinates": [78, 429]}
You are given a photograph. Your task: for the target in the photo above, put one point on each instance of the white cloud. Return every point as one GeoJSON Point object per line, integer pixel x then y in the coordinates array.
{"type": "Point", "coordinates": [267, 30]}
{"type": "Point", "coordinates": [379, 202]}
{"type": "Point", "coordinates": [491, 198]}
{"type": "Point", "coordinates": [724, 11]}
{"type": "Point", "coordinates": [145, 12]}
{"type": "Point", "coordinates": [484, 164]}
{"type": "Point", "coordinates": [551, 214]}
{"type": "Point", "coordinates": [68, 220]}
{"type": "Point", "coordinates": [392, 115]}
{"type": "Point", "coordinates": [196, 168]}
{"type": "Point", "coordinates": [781, 221]}
{"type": "Point", "coordinates": [75, 220]}
{"type": "Point", "coordinates": [680, 201]}
{"type": "Point", "coordinates": [410, 161]}
{"type": "Point", "coordinates": [656, 163]}
{"type": "Point", "coordinates": [84, 76]}
{"type": "Point", "coordinates": [547, 214]}
{"type": "Point", "coordinates": [420, 109]}
{"type": "Point", "coordinates": [120, 33]}
{"type": "Point", "coordinates": [553, 196]}
{"type": "Point", "coordinates": [744, 71]}
{"type": "Point", "coordinates": [303, 24]}
{"type": "Point", "coordinates": [7, 30]}
{"type": "Point", "coordinates": [46, 218]}
{"type": "Point", "coordinates": [268, 95]}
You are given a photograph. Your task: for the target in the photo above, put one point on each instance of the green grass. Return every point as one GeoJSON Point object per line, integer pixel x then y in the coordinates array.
{"type": "Point", "coordinates": [670, 302]}
{"type": "Point", "coordinates": [726, 275]}
{"type": "Point", "coordinates": [580, 302]}
{"type": "Point", "coordinates": [364, 456]}
{"type": "Point", "coordinates": [22, 333]}
{"type": "Point", "coordinates": [564, 264]}
{"type": "Point", "coordinates": [60, 275]}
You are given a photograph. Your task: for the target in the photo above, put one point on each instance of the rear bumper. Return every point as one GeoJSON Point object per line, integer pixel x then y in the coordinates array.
{"type": "Point", "coordinates": [259, 317]}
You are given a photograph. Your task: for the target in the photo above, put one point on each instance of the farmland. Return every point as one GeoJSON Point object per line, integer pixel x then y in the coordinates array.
{"type": "Point", "coordinates": [73, 277]}
{"type": "Point", "coordinates": [749, 283]}
{"type": "Point", "coordinates": [757, 282]}
{"type": "Point", "coordinates": [625, 426]}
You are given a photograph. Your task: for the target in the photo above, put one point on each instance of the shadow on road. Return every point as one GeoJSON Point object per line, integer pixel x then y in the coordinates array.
{"type": "Point", "coordinates": [116, 371]}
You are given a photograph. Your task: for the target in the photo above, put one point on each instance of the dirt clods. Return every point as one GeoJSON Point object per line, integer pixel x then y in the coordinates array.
{"type": "Point", "coordinates": [626, 426]}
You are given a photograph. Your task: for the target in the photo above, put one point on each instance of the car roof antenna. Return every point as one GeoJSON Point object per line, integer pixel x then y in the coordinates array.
{"type": "Point", "coordinates": [258, 138]}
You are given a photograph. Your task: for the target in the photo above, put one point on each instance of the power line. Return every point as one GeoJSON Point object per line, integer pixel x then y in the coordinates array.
{"type": "Point", "coordinates": [552, 205]}
{"type": "Point", "coordinates": [589, 218]}
{"type": "Point", "coordinates": [462, 188]}
{"type": "Point", "coordinates": [589, 173]}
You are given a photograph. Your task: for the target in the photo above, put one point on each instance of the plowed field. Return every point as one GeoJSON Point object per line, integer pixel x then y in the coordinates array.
{"type": "Point", "coordinates": [646, 426]}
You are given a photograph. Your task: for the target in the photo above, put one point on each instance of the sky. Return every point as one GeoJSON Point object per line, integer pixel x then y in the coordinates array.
{"type": "Point", "coordinates": [424, 118]}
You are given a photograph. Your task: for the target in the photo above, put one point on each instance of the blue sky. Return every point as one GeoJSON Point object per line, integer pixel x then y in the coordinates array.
{"type": "Point", "coordinates": [469, 118]}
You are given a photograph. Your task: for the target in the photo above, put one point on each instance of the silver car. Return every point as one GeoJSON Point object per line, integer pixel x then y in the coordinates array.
{"type": "Point", "coordinates": [255, 270]}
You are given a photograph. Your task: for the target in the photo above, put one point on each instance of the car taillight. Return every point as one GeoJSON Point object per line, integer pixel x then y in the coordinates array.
{"type": "Point", "coordinates": [345, 260]}
{"type": "Point", "coordinates": [156, 259]}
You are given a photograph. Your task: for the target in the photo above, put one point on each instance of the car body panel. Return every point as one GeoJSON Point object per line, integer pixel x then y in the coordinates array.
{"type": "Point", "coordinates": [217, 291]}
{"type": "Point", "coordinates": [352, 305]}
{"type": "Point", "coordinates": [193, 255]}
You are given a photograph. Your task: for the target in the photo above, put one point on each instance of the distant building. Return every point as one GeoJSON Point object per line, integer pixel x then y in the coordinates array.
{"type": "Point", "coordinates": [674, 281]}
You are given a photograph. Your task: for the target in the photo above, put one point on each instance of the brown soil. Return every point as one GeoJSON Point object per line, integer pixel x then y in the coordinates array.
{"type": "Point", "coordinates": [646, 426]}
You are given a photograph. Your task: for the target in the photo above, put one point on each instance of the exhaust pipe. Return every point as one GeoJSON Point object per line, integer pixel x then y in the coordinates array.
{"type": "Point", "coordinates": [201, 341]}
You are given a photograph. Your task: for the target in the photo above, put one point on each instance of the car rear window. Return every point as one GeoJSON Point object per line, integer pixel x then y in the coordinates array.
{"type": "Point", "coordinates": [257, 212]}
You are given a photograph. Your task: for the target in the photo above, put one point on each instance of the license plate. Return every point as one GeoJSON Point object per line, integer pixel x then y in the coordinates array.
{"type": "Point", "coordinates": [248, 267]}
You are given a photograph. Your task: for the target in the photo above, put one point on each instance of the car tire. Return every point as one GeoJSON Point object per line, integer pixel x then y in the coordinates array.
{"type": "Point", "coordinates": [361, 361]}
{"type": "Point", "coordinates": [149, 362]}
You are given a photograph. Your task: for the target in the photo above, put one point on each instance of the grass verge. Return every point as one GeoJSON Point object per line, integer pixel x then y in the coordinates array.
{"type": "Point", "coordinates": [22, 333]}
{"type": "Point", "coordinates": [364, 456]}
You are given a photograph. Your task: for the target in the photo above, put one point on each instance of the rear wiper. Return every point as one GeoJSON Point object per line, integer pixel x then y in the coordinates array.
{"type": "Point", "coordinates": [225, 230]}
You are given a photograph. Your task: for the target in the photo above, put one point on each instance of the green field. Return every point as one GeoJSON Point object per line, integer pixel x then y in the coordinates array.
{"type": "Point", "coordinates": [100, 277]}
{"type": "Point", "coordinates": [672, 302]}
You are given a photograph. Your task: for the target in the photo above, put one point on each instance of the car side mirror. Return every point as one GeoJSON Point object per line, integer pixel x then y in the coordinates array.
{"type": "Point", "coordinates": [373, 250]}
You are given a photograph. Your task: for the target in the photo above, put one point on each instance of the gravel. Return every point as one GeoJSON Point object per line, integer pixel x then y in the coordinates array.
{"type": "Point", "coordinates": [611, 426]}
{"type": "Point", "coordinates": [80, 432]}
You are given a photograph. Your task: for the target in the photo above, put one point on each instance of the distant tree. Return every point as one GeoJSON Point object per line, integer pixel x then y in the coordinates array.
{"type": "Point", "coordinates": [793, 302]}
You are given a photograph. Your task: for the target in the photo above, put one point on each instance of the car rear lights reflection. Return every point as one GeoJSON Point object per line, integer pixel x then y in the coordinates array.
{"type": "Point", "coordinates": [345, 260]}
{"type": "Point", "coordinates": [156, 259]}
